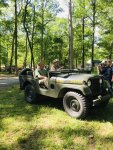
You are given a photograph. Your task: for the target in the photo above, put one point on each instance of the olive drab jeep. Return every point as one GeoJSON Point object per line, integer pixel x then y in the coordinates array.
{"type": "Point", "coordinates": [79, 90]}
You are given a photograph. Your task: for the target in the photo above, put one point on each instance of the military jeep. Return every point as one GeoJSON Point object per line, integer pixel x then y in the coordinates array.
{"type": "Point", "coordinates": [79, 90]}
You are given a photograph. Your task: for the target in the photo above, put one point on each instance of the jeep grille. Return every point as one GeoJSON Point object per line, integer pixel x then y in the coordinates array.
{"type": "Point", "coordinates": [95, 86]}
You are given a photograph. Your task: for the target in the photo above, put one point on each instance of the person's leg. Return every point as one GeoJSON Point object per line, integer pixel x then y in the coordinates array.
{"type": "Point", "coordinates": [43, 83]}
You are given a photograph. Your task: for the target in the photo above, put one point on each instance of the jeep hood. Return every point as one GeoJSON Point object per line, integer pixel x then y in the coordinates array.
{"type": "Point", "coordinates": [76, 78]}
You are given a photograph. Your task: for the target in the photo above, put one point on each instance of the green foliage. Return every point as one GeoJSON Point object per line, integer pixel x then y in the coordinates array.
{"type": "Point", "coordinates": [50, 36]}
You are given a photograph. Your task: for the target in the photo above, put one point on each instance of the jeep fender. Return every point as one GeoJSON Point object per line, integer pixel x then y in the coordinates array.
{"type": "Point", "coordinates": [84, 90]}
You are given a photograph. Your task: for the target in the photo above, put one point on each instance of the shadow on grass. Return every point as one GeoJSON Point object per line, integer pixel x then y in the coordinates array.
{"type": "Point", "coordinates": [50, 102]}
{"type": "Point", "coordinates": [59, 138]}
{"type": "Point", "coordinates": [13, 104]}
{"type": "Point", "coordinates": [102, 114]}
{"type": "Point", "coordinates": [96, 114]}
{"type": "Point", "coordinates": [52, 138]}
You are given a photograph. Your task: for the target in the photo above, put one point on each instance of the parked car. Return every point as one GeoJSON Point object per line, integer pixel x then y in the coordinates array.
{"type": "Point", "coordinates": [88, 65]}
{"type": "Point", "coordinates": [79, 90]}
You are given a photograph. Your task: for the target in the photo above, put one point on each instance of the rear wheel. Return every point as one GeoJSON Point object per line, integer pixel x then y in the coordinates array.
{"type": "Point", "coordinates": [75, 105]}
{"type": "Point", "coordinates": [30, 94]}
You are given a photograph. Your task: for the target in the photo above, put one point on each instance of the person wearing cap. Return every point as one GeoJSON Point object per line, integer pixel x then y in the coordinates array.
{"type": "Point", "coordinates": [42, 74]}
{"type": "Point", "coordinates": [107, 72]}
{"type": "Point", "coordinates": [102, 67]}
{"type": "Point", "coordinates": [55, 66]}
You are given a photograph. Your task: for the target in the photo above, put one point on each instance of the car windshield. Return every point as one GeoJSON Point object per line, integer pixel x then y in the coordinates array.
{"type": "Point", "coordinates": [66, 72]}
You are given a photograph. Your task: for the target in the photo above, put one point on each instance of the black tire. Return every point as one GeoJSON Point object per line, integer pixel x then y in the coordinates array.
{"type": "Point", "coordinates": [30, 94]}
{"type": "Point", "coordinates": [75, 105]}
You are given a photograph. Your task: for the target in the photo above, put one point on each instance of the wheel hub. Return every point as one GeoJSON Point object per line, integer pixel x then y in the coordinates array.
{"type": "Point", "coordinates": [74, 105]}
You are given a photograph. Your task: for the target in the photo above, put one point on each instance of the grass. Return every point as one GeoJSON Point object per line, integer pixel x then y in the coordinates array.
{"type": "Point", "coordinates": [46, 126]}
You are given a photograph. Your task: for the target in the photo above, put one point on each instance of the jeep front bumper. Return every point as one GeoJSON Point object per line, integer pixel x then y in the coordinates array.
{"type": "Point", "coordinates": [101, 99]}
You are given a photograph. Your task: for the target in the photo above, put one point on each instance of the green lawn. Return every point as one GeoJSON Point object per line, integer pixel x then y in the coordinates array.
{"type": "Point", "coordinates": [45, 126]}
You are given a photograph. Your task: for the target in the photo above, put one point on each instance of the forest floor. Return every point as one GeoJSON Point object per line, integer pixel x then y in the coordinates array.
{"type": "Point", "coordinates": [46, 126]}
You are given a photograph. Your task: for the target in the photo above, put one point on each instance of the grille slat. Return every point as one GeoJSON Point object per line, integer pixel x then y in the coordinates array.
{"type": "Point", "coordinates": [95, 86]}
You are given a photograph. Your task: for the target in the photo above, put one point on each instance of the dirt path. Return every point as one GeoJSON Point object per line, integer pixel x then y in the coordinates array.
{"type": "Point", "coordinates": [8, 80]}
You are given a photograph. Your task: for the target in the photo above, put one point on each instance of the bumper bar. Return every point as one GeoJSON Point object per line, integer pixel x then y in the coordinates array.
{"type": "Point", "coordinates": [101, 99]}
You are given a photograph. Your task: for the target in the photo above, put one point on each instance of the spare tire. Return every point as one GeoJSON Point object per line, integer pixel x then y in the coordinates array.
{"type": "Point", "coordinates": [30, 94]}
{"type": "Point", "coordinates": [22, 78]}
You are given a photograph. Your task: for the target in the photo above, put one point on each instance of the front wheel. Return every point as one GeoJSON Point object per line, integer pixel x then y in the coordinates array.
{"type": "Point", "coordinates": [30, 94]}
{"type": "Point", "coordinates": [75, 105]}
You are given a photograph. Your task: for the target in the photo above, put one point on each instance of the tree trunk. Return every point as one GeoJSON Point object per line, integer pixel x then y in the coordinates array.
{"type": "Point", "coordinates": [70, 36]}
{"type": "Point", "coordinates": [42, 33]}
{"type": "Point", "coordinates": [12, 53]}
{"type": "Point", "coordinates": [25, 58]}
{"type": "Point", "coordinates": [27, 34]}
{"type": "Point", "coordinates": [42, 45]}
{"type": "Point", "coordinates": [83, 51]}
{"type": "Point", "coordinates": [33, 29]}
{"type": "Point", "coordinates": [60, 51]}
{"type": "Point", "coordinates": [93, 35]}
{"type": "Point", "coordinates": [16, 42]}
{"type": "Point", "coordinates": [0, 55]}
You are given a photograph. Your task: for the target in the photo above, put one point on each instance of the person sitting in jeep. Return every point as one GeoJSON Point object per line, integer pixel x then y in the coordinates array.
{"type": "Point", "coordinates": [42, 74]}
{"type": "Point", "coordinates": [55, 65]}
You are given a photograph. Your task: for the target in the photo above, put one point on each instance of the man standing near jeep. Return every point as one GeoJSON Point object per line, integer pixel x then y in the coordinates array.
{"type": "Point", "coordinates": [107, 72]}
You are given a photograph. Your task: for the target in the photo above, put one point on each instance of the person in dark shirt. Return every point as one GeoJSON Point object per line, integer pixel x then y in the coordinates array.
{"type": "Point", "coordinates": [106, 71]}
{"type": "Point", "coordinates": [101, 67]}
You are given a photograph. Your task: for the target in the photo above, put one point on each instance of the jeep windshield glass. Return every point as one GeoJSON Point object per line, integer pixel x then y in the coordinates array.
{"type": "Point", "coordinates": [65, 72]}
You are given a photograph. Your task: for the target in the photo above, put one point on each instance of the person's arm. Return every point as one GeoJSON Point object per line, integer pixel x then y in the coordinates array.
{"type": "Point", "coordinates": [52, 68]}
{"type": "Point", "coordinates": [36, 73]}
{"type": "Point", "coordinates": [41, 77]}
{"type": "Point", "coordinates": [42, 74]}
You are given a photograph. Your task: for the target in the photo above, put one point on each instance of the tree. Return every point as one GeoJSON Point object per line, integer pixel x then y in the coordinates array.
{"type": "Point", "coordinates": [15, 37]}
{"type": "Point", "coordinates": [47, 12]}
{"type": "Point", "coordinates": [93, 3]}
{"type": "Point", "coordinates": [2, 4]}
{"type": "Point", "coordinates": [70, 37]}
{"type": "Point", "coordinates": [30, 41]}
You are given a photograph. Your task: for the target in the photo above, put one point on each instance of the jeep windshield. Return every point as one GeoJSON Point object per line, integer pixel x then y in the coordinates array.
{"type": "Point", "coordinates": [66, 72]}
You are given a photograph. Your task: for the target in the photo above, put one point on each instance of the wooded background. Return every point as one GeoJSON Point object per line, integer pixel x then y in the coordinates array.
{"type": "Point", "coordinates": [30, 31]}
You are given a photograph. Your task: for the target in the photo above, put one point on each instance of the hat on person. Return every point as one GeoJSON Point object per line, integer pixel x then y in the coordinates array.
{"type": "Point", "coordinates": [55, 60]}
{"type": "Point", "coordinates": [40, 63]}
{"type": "Point", "coordinates": [104, 61]}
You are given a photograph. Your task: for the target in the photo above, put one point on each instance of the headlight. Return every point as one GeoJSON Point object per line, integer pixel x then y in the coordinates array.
{"type": "Point", "coordinates": [100, 81]}
{"type": "Point", "coordinates": [84, 82]}
{"type": "Point", "coordinates": [89, 83]}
